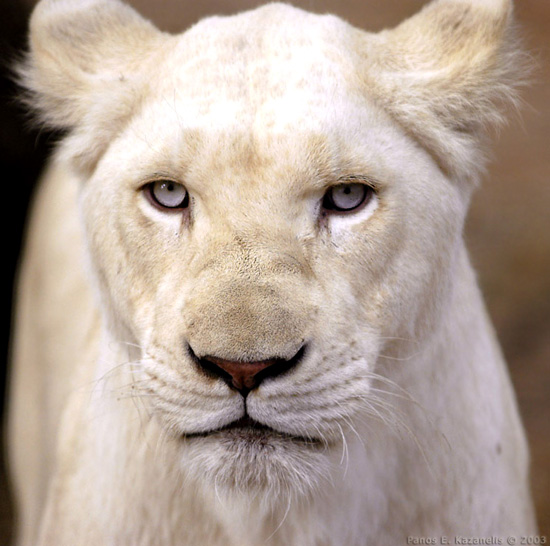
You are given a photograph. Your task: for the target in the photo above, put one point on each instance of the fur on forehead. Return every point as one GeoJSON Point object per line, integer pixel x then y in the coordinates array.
{"type": "Point", "coordinates": [445, 75]}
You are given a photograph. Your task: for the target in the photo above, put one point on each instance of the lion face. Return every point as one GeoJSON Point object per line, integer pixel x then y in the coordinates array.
{"type": "Point", "coordinates": [265, 229]}
{"type": "Point", "coordinates": [290, 228]}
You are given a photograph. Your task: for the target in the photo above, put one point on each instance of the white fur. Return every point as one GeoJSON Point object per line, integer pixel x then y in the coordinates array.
{"type": "Point", "coordinates": [403, 395]}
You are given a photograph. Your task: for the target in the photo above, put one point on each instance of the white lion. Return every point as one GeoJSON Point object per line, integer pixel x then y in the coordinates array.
{"type": "Point", "coordinates": [246, 312]}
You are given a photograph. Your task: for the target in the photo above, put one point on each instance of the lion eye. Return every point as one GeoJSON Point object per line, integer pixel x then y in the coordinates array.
{"type": "Point", "coordinates": [346, 197]}
{"type": "Point", "coordinates": [168, 194]}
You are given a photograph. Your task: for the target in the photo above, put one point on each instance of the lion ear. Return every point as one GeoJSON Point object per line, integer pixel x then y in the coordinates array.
{"type": "Point", "coordinates": [79, 50]}
{"type": "Point", "coordinates": [84, 69]}
{"type": "Point", "coordinates": [447, 75]}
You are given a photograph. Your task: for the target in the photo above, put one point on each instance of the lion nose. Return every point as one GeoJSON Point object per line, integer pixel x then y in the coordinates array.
{"type": "Point", "coordinates": [245, 376]}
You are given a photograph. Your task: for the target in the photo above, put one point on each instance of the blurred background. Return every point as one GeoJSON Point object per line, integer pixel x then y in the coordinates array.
{"type": "Point", "coordinates": [508, 229]}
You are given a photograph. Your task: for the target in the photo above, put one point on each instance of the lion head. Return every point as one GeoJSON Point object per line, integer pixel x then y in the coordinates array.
{"type": "Point", "coordinates": [272, 203]}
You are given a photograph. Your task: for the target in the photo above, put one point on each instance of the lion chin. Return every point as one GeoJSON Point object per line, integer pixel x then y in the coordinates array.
{"type": "Point", "coordinates": [246, 313]}
{"type": "Point", "coordinates": [251, 458]}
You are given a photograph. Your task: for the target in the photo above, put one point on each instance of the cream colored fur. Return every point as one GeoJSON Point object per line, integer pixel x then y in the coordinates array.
{"type": "Point", "coordinates": [402, 391]}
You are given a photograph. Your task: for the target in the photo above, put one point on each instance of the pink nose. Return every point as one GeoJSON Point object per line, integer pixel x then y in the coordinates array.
{"type": "Point", "coordinates": [245, 376]}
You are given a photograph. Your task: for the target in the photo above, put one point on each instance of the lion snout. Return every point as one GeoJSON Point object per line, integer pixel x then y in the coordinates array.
{"type": "Point", "coordinates": [242, 318]}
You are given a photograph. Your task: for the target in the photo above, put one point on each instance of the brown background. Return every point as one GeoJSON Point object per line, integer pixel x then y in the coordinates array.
{"type": "Point", "coordinates": [508, 229]}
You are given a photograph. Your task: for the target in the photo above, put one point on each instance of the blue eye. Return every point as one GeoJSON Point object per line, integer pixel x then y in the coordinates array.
{"type": "Point", "coordinates": [168, 194]}
{"type": "Point", "coordinates": [347, 197]}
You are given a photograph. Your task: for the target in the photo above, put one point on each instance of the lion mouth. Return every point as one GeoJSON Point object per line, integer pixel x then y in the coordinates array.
{"type": "Point", "coordinates": [248, 429]}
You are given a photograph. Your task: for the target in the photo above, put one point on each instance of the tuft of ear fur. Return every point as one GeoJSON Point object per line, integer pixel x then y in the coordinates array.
{"type": "Point", "coordinates": [447, 75]}
{"type": "Point", "coordinates": [84, 69]}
